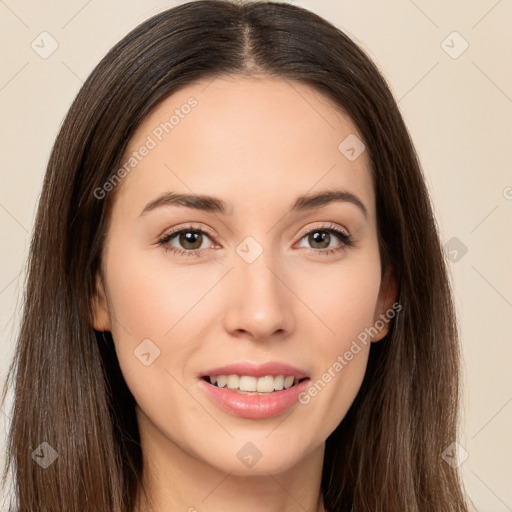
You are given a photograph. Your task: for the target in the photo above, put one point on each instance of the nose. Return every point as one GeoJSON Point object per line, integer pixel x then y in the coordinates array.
{"type": "Point", "coordinates": [259, 304]}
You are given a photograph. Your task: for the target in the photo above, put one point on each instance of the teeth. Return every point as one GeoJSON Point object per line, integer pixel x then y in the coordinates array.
{"type": "Point", "coordinates": [233, 381]}
{"type": "Point", "coordinates": [249, 384]}
{"type": "Point", "coordinates": [278, 383]}
{"type": "Point", "coordinates": [265, 384]}
{"type": "Point", "coordinates": [288, 382]}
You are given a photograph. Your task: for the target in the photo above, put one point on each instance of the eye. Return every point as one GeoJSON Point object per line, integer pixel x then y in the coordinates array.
{"type": "Point", "coordinates": [191, 239]}
{"type": "Point", "coordinates": [323, 239]}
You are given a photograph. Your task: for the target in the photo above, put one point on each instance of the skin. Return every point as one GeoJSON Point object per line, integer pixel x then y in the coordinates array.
{"type": "Point", "coordinates": [257, 143]}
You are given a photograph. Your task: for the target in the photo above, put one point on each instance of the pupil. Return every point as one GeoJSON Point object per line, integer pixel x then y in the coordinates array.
{"type": "Point", "coordinates": [320, 237]}
{"type": "Point", "coordinates": [190, 238]}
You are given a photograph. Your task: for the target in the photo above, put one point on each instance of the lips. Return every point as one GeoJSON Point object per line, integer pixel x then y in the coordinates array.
{"type": "Point", "coordinates": [257, 370]}
{"type": "Point", "coordinates": [254, 390]}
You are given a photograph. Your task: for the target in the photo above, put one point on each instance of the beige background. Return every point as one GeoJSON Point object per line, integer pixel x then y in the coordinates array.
{"type": "Point", "coordinates": [459, 112]}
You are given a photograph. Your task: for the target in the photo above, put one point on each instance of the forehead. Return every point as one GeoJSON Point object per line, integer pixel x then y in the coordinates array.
{"type": "Point", "coordinates": [239, 137]}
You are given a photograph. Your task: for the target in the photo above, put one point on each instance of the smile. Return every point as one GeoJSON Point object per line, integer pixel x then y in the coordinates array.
{"type": "Point", "coordinates": [254, 391]}
{"type": "Point", "coordinates": [250, 384]}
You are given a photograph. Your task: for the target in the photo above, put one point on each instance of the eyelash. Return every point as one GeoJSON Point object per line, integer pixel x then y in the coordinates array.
{"type": "Point", "coordinates": [346, 240]}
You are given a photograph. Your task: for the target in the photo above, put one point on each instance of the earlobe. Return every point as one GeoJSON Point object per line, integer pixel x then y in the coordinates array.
{"type": "Point", "coordinates": [100, 306]}
{"type": "Point", "coordinates": [384, 311]}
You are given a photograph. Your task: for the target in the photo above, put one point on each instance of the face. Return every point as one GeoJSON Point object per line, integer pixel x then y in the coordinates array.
{"type": "Point", "coordinates": [256, 286]}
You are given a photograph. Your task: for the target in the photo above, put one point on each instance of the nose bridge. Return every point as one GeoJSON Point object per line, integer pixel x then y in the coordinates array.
{"type": "Point", "coordinates": [259, 304]}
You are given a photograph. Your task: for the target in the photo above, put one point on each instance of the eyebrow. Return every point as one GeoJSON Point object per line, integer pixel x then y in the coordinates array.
{"type": "Point", "coordinates": [215, 205]}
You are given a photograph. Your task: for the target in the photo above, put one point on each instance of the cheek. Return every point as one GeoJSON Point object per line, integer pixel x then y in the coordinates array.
{"type": "Point", "coordinates": [341, 296]}
{"type": "Point", "coordinates": [156, 308]}
{"type": "Point", "coordinates": [344, 301]}
{"type": "Point", "coordinates": [153, 298]}
{"type": "Point", "coordinates": [160, 312]}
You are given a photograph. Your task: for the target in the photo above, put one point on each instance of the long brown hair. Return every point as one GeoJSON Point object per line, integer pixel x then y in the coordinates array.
{"type": "Point", "coordinates": [386, 454]}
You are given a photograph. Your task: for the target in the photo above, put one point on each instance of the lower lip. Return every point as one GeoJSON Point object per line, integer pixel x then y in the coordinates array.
{"type": "Point", "coordinates": [254, 406]}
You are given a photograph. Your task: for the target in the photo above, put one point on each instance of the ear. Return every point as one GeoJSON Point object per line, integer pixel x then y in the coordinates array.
{"type": "Point", "coordinates": [384, 311]}
{"type": "Point", "coordinates": [100, 307]}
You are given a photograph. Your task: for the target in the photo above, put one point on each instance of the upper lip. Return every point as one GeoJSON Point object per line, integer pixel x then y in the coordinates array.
{"type": "Point", "coordinates": [273, 368]}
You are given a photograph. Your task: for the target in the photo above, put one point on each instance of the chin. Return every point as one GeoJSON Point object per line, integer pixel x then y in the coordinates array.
{"type": "Point", "coordinates": [259, 455]}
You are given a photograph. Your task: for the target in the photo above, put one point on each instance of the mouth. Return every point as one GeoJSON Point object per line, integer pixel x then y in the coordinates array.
{"type": "Point", "coordinates": [250, 385]}
{"type": "Point", "coordinates": [254, 391]}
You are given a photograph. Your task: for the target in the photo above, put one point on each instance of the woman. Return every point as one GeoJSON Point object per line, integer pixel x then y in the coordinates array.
{"type": "Point", "coordinates": [237, 296]}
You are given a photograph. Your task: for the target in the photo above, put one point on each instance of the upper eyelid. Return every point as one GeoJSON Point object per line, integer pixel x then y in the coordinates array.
{"type": "Point", "coordinates": [188, 227]}
{"type": "Point", "coordinates": [326, 226]}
